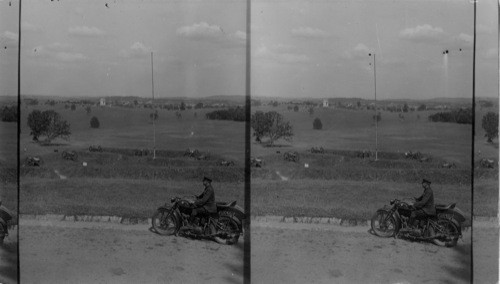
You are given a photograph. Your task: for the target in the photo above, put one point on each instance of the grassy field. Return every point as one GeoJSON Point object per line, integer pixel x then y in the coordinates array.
{"type": "Point", "coordinates": [8, 165]}
{"type": "Point", "coordinates": [112, 196]}
{"type": "Point", "coordinates": [340, 184]}
{"type": "Point", "coordinates": [335, 184]}
{"type": "Point", "coordinates": [118, 182]}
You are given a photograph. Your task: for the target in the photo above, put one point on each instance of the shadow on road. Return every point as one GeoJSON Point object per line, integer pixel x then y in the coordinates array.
{"type": "Point", "coordinates": [8, 263]}
{"type": "Point", "coordinates": [462, 271]}
{"type": "Point", "coordinates": [237, 268]}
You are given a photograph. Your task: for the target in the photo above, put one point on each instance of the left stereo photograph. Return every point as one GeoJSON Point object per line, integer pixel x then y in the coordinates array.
{"type": "Point", "coordinates": [132, 141]}
{"type": "Point", "coordinates": [9, 55]}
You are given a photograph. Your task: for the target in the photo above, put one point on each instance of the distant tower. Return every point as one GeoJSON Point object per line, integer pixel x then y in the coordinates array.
{"type": "Point", "coordinates": [102, 102]}
{"type": "Point", "coordinates": [325, 103]}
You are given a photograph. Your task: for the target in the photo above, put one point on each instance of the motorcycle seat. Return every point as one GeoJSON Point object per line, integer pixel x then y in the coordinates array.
{"type": "Point", "coordinates": [225, 204]}
{"type": "Point", "coordinates": [445, 207]}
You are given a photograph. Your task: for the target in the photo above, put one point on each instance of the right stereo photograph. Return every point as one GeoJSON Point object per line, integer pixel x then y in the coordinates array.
{"type": "Point", "coordinates": [374, 141]}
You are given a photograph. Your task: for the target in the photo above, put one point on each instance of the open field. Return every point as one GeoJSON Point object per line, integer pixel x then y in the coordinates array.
{"type": "Point", "coordinates": [132, 128]}
{"type": "Point", "coordinates": [119, 181]}
{"type": "Point", "coordinates": [343, 198]}
{"type": "Point", "coordinates": [112, 197]}
{"type": "Point", "coordinates": [341, 184]}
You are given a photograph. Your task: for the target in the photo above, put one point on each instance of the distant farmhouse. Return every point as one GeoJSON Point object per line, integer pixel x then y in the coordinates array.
{"type": "Point", "coordinates": [325, 103]}
{"type": "Point", "coordinates": [102, 102]}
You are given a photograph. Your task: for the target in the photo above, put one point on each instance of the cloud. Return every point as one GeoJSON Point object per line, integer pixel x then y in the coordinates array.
{"type": "Point", "coordinates": [29, 27]}
{"type": "Point", "coordinates": [277, 55]}
{"type": "Point", "coordinates": [59, 52]}
{"type": "Point", "coordinates": [423, 33]}
{"type": "Point", "coordinates": [9, 39]}
{"type": "Point", "coordinates": [465, 38]}
{"type": "Point", "coordinates": [136, 50]}
{"type": "Point", "coordinates": [306, 32]}
{"type": "Point", "coordinates": [213, 33]}
{"type": "Point", "coordinates": [86, 31]}
{"type": "Point", "coordinates": [359, 51]}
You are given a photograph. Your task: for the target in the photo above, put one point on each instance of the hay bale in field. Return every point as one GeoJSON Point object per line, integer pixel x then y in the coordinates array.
{"type": "Point", "coordinates": [256, 162]}
{"type": "Point", "coordinates": [142, 152]}
{"type": "Point", "coordinates": [192, 153]}
{"type": "Point", "coordinates": [448, 165]}
{"type": "Point", "coordinates": [363, 154]}
{"type": "Point", "coordinates": [95, 148]}
{"type": "Point", "coordinates": [33, 161]}
{"type": "Point", "coordinates": [487, 163]}
{"type": "Point", "coordinates": [414, 156]}
{"type": "Point", "coordinates": [225, 163]}
{"type": "Point", "coordinates": [318, 150]}
{"type": "Point", "coordinates": [291, 156]}
{"type": "Point", "coordinates": [425, 159]}
{"type": "Point", "coordinates": [69, 155]}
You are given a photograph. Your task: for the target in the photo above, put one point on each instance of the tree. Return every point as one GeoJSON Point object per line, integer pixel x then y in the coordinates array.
{"type": "Point", "coordinates": [198, 106]}
{"type": "Point", "coordinates": [422, 107]}
{"type": "Point", "coordinates": [490, 125]}
{"type": "Point", "coordinates": [73, 107]}
{"type": "Point", "coordinates": [378, 117]}
{"type": "Point", "coordinates": [405, 107]}
{"type": "Point", "coordinates": [94, 122]}
{"type": "Point", "coordinates": [88, 109]}
{"type": "Point", "coordinates": [49, 124]}
{"type": "Point", "coordinates": [296, 108]}
{"type": "Point", "coordinates": [154, 115]}
{"type": "Point", "coordinates": [317, 124]}
{"type": "Point", "coordinates": [272, 125]}
{"type": "Point", "coordinates": [311, 111]}
{"type": "Point", "coordinates": [183, 106]}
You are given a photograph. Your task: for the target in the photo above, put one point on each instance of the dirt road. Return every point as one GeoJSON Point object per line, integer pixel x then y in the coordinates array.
{"type": "Point", "coordinates": [352, 255]}
{"type": "Point", "coordinates": [69, 252]}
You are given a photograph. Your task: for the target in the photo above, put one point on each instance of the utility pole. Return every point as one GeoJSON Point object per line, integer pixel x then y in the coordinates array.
{"type": "Point", "coordinates": [154, 113]}
{"type": "Point", "coordinates": [376, 114]}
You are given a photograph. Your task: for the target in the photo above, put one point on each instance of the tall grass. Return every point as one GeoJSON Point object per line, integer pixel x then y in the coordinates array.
{"type": "Point", "coordinates": [113, 197]}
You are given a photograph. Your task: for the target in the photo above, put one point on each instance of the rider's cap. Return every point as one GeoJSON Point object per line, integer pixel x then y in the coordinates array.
{"type": "Point", "coordinates": [207, 179]}
{"type": "Point", "coordinates": [426, 181]}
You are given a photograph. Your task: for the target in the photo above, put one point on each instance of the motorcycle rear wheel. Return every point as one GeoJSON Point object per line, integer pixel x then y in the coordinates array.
{"type": "Point", "coordinates": [164, 222]}
{"type": "Point", "coordinates": [383, 225]}
{"type": "Point", "coordinates": [227, 231]}
{"type": "Point", "coordinates": [448, 229]}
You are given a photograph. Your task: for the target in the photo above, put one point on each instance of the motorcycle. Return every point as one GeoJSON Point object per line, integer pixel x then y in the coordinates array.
{"type": "Point", "coordinates": [225, 226]}
{"type": "Point", "coordinates": [443, 229]}
{"type": "Point", "coordinates": [5, 217]}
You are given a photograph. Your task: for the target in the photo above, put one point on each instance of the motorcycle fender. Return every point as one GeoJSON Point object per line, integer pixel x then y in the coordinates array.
{"type": "Point", "coordinates": [453, 214]}
{"type": "Point", "coordinates": [235, 214]}
{"type": "Point", "coordinates": [176, 213]}
{"type": "Point", "coordinates": [395, 214]}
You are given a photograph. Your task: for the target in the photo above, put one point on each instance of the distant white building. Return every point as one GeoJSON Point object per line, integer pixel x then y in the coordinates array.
{"type": "Point", "coordinates": [102, 102]}
{"type": "Point", "coordinates": [325, 103]}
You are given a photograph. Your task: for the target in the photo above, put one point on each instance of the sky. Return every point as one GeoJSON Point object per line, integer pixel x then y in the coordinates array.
{"type": "Point", "coordinates": [321, 48]}
{"type": "Point", "coordinates": [299, 49]}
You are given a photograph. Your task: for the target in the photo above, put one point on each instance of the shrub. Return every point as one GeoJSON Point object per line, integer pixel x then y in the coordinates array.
{"type": "Point", "coordinates": [9, 114]}
{"type": "Point", "coordinates": [236, 114]}
{"type": "Point", "coordinates": [317, 124]}
{"type": "Point", "coordinates": [296, 108]}
{"type": "Point", "coordinates": [73, 107]}
{"type": "Point", "coordinates": [94, 122]}
{"type": "Point", "coordinates": [490, 125]}
{"type": "Point", "coordinates": [461, 116]}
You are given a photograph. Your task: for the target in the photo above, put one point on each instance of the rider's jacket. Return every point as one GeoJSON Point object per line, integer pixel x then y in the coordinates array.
{"type": "Point", "coordinates": [207, 200]}
{"type": "Point", "coordinates": [426, 202]}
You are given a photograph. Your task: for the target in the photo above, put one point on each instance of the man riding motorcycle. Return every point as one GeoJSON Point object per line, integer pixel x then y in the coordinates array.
{"type": "Point", "coordinates": [204, 204]}
{"type": "Point", "coordinates": [424, 205]}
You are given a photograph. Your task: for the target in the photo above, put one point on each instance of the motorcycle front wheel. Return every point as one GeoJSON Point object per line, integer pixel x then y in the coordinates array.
{"type": "Point", "coordinates": [164, 222]}
{"type": "Point", "coordinates": [383, 225]}
{"type": "Point", "coordinates": [227, 231]}
{"type": "Point", "coordinates": [447, 231]}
